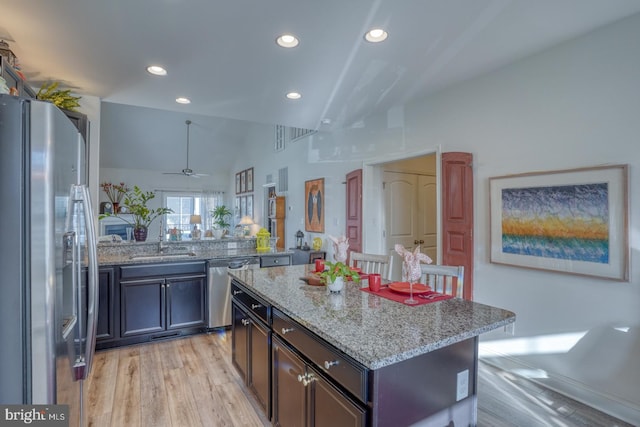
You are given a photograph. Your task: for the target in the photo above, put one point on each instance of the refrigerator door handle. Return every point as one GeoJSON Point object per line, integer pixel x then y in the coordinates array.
{"type": "Point", "coordinates": [83, 368]}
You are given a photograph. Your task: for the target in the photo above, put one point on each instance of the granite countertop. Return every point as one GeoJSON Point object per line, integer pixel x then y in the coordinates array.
{"type": "Point", "coordinates": [121, 253]}
{"type": "Point", "coordinates": [375, 331]}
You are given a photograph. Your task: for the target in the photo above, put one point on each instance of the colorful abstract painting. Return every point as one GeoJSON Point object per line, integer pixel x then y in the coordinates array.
{"type": "Point", "coordinates": [572, 221]}
{"type": "Point", "coordinates": [567, 222]}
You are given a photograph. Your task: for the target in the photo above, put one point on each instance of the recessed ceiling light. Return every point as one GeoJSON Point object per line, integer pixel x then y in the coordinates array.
{"type": "Point", "coordinates": [294, 95]}
{"type": "Point", "coordinates": [183, 100]}
{"type": "Point", "coordinates": [287, 40]}
{"type": "Point", "coordinates": [156, 70]}
{"type": "Point", "coordinates": [376, 35]}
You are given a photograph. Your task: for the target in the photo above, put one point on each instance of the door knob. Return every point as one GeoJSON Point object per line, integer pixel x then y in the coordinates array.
{"type": "Point", "coordinates": [245, 322]}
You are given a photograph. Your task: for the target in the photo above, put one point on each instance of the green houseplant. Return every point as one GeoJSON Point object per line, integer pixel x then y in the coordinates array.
{"type": "Point", "coordinates": [135, 203]}
{"type": "Point", "coordinates": [220, 215]}
{"type": "Point", "coordinates": [335, 273]}
{"type": "Point", "coordinates": [60, 98]}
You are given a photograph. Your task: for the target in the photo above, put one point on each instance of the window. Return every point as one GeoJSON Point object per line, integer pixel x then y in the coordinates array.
{"type": "Point", "coordinates": [186, 204]}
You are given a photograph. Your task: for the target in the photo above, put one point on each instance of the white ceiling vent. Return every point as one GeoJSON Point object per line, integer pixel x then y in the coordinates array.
{"type": "Point", "coordinates": [299, 133]}
{"type": "Point", "coordinates": [285, 134]}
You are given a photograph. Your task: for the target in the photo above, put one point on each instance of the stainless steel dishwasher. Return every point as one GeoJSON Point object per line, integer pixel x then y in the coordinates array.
{"type": "Point", "coordinates": [219, 289]}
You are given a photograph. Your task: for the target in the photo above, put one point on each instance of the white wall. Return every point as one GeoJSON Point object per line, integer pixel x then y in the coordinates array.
{"type": "Point", "coordinates": [575, 105]}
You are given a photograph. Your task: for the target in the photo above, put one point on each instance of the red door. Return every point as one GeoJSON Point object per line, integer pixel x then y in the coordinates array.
{"type": "Point", "coordinates": [354, 210]}
{"type": "Point", "coordinates": [457, 215]}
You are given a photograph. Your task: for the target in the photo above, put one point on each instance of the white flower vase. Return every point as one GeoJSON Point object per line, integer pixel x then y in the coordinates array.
{"type": "Point", "coordinates": [336, 300]}
{"type": "Point", "coordinates": [336, 285]}
{"type": "Point", "coordinates": [217, 233]}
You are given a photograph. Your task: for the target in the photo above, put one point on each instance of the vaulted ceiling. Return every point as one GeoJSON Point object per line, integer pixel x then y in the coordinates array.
{"type": "Point", "coordinates": [223, 55]}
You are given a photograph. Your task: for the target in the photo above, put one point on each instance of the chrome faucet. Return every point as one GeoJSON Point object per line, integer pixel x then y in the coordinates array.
{"type": "Point", "coordinates": [162, 245]}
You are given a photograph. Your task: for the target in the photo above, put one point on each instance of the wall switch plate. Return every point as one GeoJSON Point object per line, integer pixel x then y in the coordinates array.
{"type": "Point", "coordinates": [462, 386]}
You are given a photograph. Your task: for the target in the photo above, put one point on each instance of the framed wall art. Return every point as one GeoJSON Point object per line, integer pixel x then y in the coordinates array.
{"type": "Point", "coordinates": [243, 181]}
{"type": "Point", "coordinates": [249, 180]}
{"type": "Point", "coordinates": [314, 212]}
{"type": "Point", "coordinates": [238, 183]}
{"type": "Point", "coordinates": [249, 212]}
{"type": "Point", "coordinates": [570, 221]}
{"type": "Point", "coordinates": [243, 206]}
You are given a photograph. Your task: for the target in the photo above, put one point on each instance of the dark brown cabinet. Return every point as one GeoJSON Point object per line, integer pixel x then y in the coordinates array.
{"type": "Point", "coordinates": [301, 256]}
{"type": "Point", "coordinates": [275, 260]}
{"type": "Point", "coordinates": [105, 329]}
{"type": "Point", "coordinates": [298, 379]}
{"type": "Point", "coordinates": [161, 300]}
{"type": "Point", "coordinates": [142, 305]}
{"type": "Point", "coordinates": [251, 344]}
{"type": "Point", "coordinates": [303, 397]}
{"type": "Point", "coordinates": [161, 304]}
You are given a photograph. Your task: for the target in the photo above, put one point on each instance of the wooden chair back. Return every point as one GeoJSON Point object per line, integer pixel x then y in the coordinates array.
{"type": "Point", "coordinates": [371, 263]}
{"type": "Point", "coordinates": [445, 279]}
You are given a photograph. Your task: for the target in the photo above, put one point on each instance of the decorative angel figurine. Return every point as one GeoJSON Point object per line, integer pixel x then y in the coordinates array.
{"type": "Point", "coordinates": [340, 248]}
{"type": "Point", "coordinates": [411, 263]}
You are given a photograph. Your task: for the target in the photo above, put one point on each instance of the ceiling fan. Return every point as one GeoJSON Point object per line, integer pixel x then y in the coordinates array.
{"type": "Point", "coordinates": [187, 171]}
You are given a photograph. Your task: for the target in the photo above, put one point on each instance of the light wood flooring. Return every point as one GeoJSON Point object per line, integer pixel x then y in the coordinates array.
{"type": "Point", "coordinates": [191, 382]}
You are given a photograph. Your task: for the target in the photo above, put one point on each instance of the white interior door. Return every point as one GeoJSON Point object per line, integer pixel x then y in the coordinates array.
{"type": "Point", "coordinates": [427, 216]}
{"type": "Point", "coordinates": [401, 214]}
{"type": "Point", "coordinates": [410, 215]}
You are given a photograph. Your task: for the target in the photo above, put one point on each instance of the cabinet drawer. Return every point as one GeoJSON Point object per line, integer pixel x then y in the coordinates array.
{"type": "Point", "coordinates": [254, 304]}
{"type": "Point", "coordinates": [345, 371]}
{"type": "Point", "coordinates": [275, 260]}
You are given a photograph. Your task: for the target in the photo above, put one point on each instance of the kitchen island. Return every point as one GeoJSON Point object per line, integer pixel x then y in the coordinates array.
{"type": "Point", "coordinates": [366, 360]}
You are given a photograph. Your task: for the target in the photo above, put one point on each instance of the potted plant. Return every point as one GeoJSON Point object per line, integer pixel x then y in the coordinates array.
{"type": "Point", "coordinates": [220, 215]}
{"type": "Point", "coordinates": [335, 273]}
{"type": "Point", "coordinates": [60, 98]}
{"type": "Point", "coordinates": [135, 202]}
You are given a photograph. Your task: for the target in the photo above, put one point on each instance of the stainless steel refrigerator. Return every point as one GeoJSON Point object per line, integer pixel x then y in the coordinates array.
{"type": "Point", "coordinates": [48, 265]}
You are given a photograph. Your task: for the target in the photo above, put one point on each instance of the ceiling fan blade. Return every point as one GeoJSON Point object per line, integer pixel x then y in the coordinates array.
{"type": "Point", "coordinates": [187, 171]}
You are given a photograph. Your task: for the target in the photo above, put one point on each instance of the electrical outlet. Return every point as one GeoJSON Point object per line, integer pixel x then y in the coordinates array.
{"type": "Point", "coordinates": [462, 387]}
{"type": "Point", "coordinates": [232, 245]}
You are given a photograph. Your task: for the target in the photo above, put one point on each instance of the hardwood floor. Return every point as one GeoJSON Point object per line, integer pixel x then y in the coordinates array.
{"type": "Point", "coordinates": [183, 382]}
{"type": "Point", "coordinates": [191, 382]}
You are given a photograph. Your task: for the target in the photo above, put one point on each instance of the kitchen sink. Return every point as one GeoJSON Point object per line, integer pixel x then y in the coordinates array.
{"type": "Point", "coordinates": [162, 257]}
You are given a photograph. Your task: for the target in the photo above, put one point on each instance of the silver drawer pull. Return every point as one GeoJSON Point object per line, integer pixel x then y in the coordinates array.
{"type": "Point", "coordinates": [275, 261]}
{"type": "Point", "coordinates": [328, 365]}
{"type": "Point", "coordinates": [254, 306]}
{"type": "Point", "coordinates": [302, 377]}
{"type": "Point", "coordinates": [237, 292]}
{"type": "Point", "coordinates": [308, 380]}
{"type": "Point", "coordinates": [245, 322]}
{"type": "Point", "coordinates": [285, 331]}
